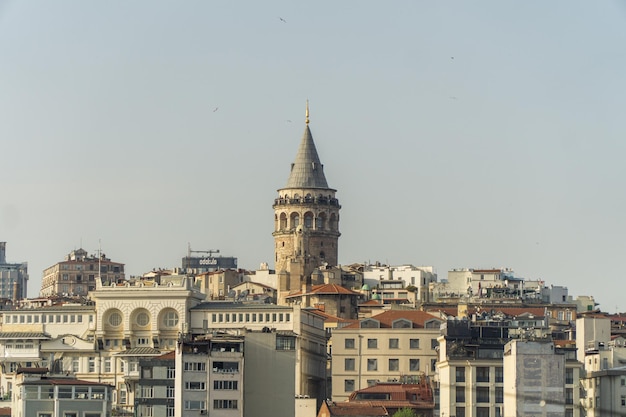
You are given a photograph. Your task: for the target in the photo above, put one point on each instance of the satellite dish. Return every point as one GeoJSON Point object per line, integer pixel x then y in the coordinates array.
{"type": "Point", "coordinates": [243, 294]}
{"type": "Point", "coordinates": [232, 294]}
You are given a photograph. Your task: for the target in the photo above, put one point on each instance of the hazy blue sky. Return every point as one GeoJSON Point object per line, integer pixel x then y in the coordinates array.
{"type": "Point", "coordinates": [458, 134]}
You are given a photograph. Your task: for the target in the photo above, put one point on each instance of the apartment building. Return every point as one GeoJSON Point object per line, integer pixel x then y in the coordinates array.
{"type": "Point", "coordinates": [77, 274]}
{"type": "Point", "coordinates": [285, 346]}
{"type": "Point", "coordinates": [13, 277]}
{"type": "Point", "coordinates": [474, 379]}
{"type": "Point", "coordinates": [391, 346]}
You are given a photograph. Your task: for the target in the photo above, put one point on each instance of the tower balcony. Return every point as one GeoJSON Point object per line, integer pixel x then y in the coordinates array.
{"type": "Point", "coordinates": [306, 201]}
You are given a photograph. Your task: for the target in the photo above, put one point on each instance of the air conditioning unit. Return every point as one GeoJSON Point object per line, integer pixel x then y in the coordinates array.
{"type": "Point", "coordinates": [203, 412]}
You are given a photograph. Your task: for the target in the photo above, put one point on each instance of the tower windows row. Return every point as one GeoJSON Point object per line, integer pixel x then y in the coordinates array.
{"type": "Point", "coordinates": [309, 221]}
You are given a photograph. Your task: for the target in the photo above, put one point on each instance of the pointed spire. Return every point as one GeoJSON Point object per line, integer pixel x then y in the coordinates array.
{"type": "Point", "coordinates": [307, 171]}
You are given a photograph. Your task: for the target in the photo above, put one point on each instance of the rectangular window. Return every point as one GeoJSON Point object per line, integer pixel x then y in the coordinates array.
{"type": "Point", "coordinates": [482, 394]}
{"type": "Point", "coordinates": [372, 343]}
{"type": "Point", "coordinates": [348, 385]}
{"type": "Point", "coordinates": [195, 405]}
{"type": "Point", "coordinates": [170, 392]}
{"type": "Point", "coordinates": [225, 385]}
{"type": "Point", "coordinates": [224, 404]}
{"type": "Point", "coordinates": [146, 392]}
{"type": "Point", "coordinates": [195, 366]}
{"type": "Point", "coordinates": [349, 343]}
{"type": "Point", "coordinates": [460, 374]}
{"type": "Point", "coordinates": [569, 396]}
{"type": "Point", "coordinates": [170, 411]}
{"type": "Point", "coordinates": [394, 344]}
{"type": "Point", "coordinates": [569, 375]}
{"type": "Point", "coordinates": [414, 365]}
{"type": "Point", "coordinates": [414, 343]}
{"type": "Point", "coordinates": [284, 342]}
{"type": "Point", "coordinates": [92, 364]}
{"type": "Point", "coordinates": [394, 365]}
{"type": "Point", "coordinates": [460, 412]}
{"type": "Point", "coordinates": [499, 374]}
{"type": "Point", "coordinates": [499, 395]}
{"type": "Point", "coordinates": [433, 344]}
{"type": "Point", "coordinates": [482, 374]}
{"type": "Point", "coordinates": [196, 386]}
{"type": "Point", "coordinates": [171, 372]}
{"type": "Point", "coordinates": [107, 365]}
{"type": "Point", "coordinates": [372, 364]}
{"type": "Point", "coordinates": [349, 364]}
{"type": "Point", "coordinates": [460, 394]}
{"type": "Point", "coordinates": [482, 411]}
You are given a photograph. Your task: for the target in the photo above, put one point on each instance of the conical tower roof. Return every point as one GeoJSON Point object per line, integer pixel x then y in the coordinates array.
{"type": "Point", "coordinates": [307, 171]}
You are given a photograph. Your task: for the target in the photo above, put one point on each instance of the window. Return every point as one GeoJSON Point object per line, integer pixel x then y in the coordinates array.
{"type": "Point", "coordinates": [569, 396]}
{"type": "Point", "coordinates": [482, 374]}
{"type": "Point", "coordinates": [170, 392]}
{"type": "Point", "coordinates": [122, 397]}
{"type": "Point", "coordinates": [195, 405]}
{"type": "Point", "coordinates": [171, 372]}
{"type": "Point", "coordinates": [115, 319]}
{"type": "Point", "coordinates": [195, 366]}
{"type": "Point", "coordinates": [221, 404]}
{"type": "Point", "coordinates": [414, 365]}
{"type": "Point", "coordinates": [197, 386]}
{"type": "Point", "coordinates": [170, 319]}
{"type": "Point", "coordinates": [142, 319]}
{"type": "Point", "coordinates": [433, 343]}
{"type": "Point", "coordinates": [482, 394]}
{"type": "Point", "coordinates": [414, 343]}
{"type": "Point", "coordinates": [499, 374]}
{"type": "Point", "coordinates": [499, 395]}
{"type": "Point", "coordinates": [146, 392]}
{"type": "Point", "coordinates": [107, 365]}
{"type": "Point", "coordinates": [170, 411]}
{"type": "Point", "coordinates": [623, 400]}
{"type": "Point", "coordinates": [225, 385]}
{"type": "Point", "coordinates": [348, 385]}
{"type": "Point", "coordinates": [284, 342]}
{"type": "Point", "coordinates": [569, 376]}
{"type": "Point", "coordinates": [393, 344]}
{"type": "Point", "coordinates": [460, 374]}
{"type": "Point", "coordinates": [372, 343]}
{"type": "Point", "coordinates": [482, 411]}
{"type": "Point", "coordinates": [460, 394]}
{"type": "Point", "coordinates": [460, 412]}
{"type": "Point", "coordinates": [433, 365]}
{"type": "Point", "coordinates": [394, 365]}
{"type": "Point", "coordinates": [349, 364]}
{"type": "Point", "coordinates": [372, 364]}
{"type": "Point", "coordinates": [70, 414]}
{"type": "Point", "coordinates": [349, 343]}
{"type": "Point", "coordinates": [92, 364]}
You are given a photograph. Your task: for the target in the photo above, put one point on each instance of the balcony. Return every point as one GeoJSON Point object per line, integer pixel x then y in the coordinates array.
{"type": "Point", "coordinates": [8, 354]}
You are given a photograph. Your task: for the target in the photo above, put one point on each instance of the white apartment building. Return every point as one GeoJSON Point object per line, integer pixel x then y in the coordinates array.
{"type": "Point", "coordinates": [391, 281]}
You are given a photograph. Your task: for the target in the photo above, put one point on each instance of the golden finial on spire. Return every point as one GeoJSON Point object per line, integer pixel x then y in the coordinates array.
{"type": "Point", "coordinates": [307, 112]}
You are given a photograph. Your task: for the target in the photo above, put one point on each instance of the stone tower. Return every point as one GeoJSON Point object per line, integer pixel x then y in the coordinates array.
{"type": "Point", "coordinates": [306, 219]}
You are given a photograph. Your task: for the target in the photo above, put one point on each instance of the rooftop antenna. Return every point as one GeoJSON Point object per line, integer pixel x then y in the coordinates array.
{"type": "Point", "coordinates": [100, 261]}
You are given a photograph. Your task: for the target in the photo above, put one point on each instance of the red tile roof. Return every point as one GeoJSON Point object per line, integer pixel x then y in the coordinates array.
{"type": "Point", "coordinates": [360, 409]}
{"type": "Point", "coordinates": [326, 289]}
{"type": "Point", "coordinates": [386, 319]}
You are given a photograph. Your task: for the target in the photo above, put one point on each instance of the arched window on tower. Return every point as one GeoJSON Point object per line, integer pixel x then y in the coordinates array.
{"type": "Point", "coordinates": [308, 220]}
{"type": "Point", "coordinates": [320, 221]}
{"type": "Point", "coordinates": [294, 221]}
{"type": "Point", "coordinates": [283, 221]}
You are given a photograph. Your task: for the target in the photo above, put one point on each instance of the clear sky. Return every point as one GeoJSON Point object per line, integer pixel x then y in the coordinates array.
{"type": "Point", "coordinates": [458, 134]}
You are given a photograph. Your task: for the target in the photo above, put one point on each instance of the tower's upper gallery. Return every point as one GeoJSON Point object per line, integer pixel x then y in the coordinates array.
{"type": "Point", "coordinates": [307, 171]}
